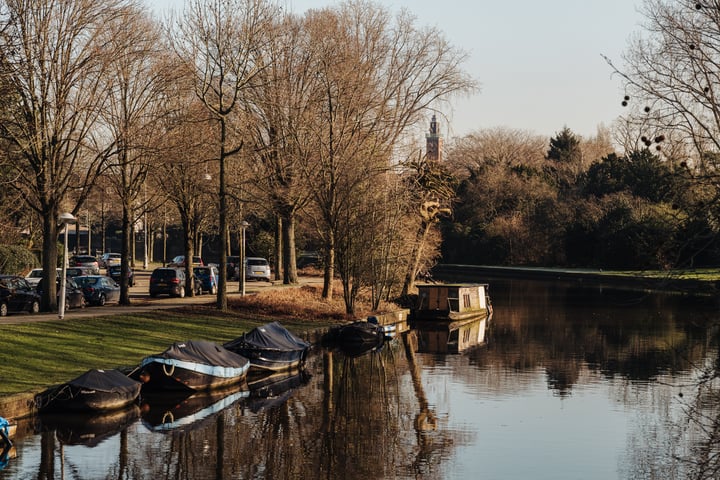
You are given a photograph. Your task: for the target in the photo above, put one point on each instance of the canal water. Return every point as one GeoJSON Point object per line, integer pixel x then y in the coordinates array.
{"type": "Point", "coordinates": [571, 382]}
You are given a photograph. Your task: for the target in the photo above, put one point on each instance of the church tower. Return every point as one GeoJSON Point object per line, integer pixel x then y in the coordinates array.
{"type": "Point", "coordinates": [433, 142]}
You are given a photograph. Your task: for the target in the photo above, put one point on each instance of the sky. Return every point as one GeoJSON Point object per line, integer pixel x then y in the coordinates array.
{"type": "Point", "coordinates": [539, 64]}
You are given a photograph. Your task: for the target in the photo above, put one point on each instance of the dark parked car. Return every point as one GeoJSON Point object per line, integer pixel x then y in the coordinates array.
{"type": "Point", "coordinates": [114, 273]}
{"type": "Point", "coordinates": [206, 279]}
{"type": "Point", "coordinates": [16, 295]}
{"type": "Point", "coordinates": [233, 267]}
{"type": "Point", "coordinates": [98, 289]}
{"type": "Point", "coordinates": [167, 281]}
{"type": "Point", "coordinates": [85, 261]}
{"type": "Point", "coordinates": [74, 296]}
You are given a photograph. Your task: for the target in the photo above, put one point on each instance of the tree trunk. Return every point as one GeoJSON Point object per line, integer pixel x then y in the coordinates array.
{"type": "Point", "coordinates": [188, 237]}
{"type": "Point", "coordinates": [279, 257]}
{"type": "Point", "coordinates": [50, 259]}
{"type": "Point", "coordinates": [329, 271]}
{"type": "Point", "coordinates": [222, 268]}
{"type": "Point", "coordinates": [290, 276]}
{"type": "Point", "coordinates": [125, 249]}
{"type": "Point", "coordinates": [412, 272]}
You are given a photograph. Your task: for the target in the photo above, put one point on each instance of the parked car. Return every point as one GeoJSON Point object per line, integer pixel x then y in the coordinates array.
{"type": "Point", "coordinates": [233, 267]}
{"type": "Point", "coordinates": [16, 295]}
{"type": "Point", "coordinates": [179, 261]}
{"type": "Point", "coordinates": [85, 261]}
{"type": "Point", "coordinates": [77, 271]}
{"type": "Point", "coordinates": [114, 272]}
{"type": "Point", "coordinates": [107, 260]}
{"type": "Point", "coordinates": [257, 268]}
{"type": "Point", "coordinates": [34, 276]}
{"type": "Point", "coordinates": [167, 281]}
{"type": "Point", "coordinates": [74, 296]}
{"type": "Point", "coordinates": [98, 289]}
{"type": "Point", "coordinates": [206, 279]}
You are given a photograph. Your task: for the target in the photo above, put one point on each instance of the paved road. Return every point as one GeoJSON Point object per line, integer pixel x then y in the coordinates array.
{"type": "Point", "coordinates": [141, 301]}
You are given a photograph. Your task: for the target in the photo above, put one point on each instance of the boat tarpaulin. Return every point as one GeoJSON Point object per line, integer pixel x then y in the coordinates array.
{"type": "Point", "coordinates": [104, 381]}
{"type": "Point", "coordinates": [271, 336]}
{"type": "Point", "coordinates": [204, 352]}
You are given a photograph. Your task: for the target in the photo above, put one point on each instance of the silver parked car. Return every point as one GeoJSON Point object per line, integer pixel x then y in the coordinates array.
{"type": "Point", "coordinates": [257, 268]}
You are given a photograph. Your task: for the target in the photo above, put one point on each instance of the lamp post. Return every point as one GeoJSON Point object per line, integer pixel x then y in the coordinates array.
{"type": "Point", "coordinates": [145, 231]}
{"type": "Point", "coordinates": [64, 219]}
{"type": "Point", "coordinates": [241, 270]}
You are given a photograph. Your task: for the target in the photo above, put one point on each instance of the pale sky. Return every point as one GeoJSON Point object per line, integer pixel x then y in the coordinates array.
{"type": "Point", "coordinates": [538, 63]}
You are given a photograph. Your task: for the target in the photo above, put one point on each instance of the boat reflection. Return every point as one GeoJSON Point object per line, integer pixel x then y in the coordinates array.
{"type": "Point", "coordinates": [168, 411]}
{"type": "Point", "coordinates": [272, 390]}
{"type": "Point", "coordinates": [88, 428]}
{"type": "Point", "coordinates": [439, 336]}
{"type": "Point", "coordinates": [7, 453]}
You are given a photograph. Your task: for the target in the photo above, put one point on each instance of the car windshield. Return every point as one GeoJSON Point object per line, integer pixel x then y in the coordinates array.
{"type": "Point", "coordinates": [164, 274]}
{"type": "Point", "coordinates": [86, 281]}
{"type": "Point", "coordinates": [256, 261]}
{"type": "Point", "coordinates": [36, 274]}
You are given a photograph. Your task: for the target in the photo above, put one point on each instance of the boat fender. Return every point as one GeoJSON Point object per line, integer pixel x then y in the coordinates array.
{"type": "Point", "coordinates": [172, 370]}
{"type": "Point", "coordinates": [168, 415]}
{"type": "Point", "coordinates": [5, 432]}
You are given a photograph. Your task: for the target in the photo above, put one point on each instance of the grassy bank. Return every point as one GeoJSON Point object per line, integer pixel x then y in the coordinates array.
{"type": "Point", "coordinates": [38, 355]}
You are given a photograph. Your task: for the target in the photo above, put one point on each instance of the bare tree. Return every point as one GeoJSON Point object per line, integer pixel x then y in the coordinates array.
{"type": "Point", "coordinates": [376, 75]}
{"type": "Point", "coordinates": [280, 107]}
{"type": "Point", "coordinates": [671, 73]}
{"type": "Point", "coordinates": [136, 80]}
{"type": "Point", "coordinates": [220, 42]}
{"type": "Point", "coordinates": [180, 169]}
{"type": "Point", "coordinates": [433, 191]}
{"type": "Point", "coordinates": [51, 63]}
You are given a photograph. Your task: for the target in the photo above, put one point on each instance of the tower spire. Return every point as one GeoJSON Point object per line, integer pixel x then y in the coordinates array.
{"type": "Point", "coordinates": [433, 142]}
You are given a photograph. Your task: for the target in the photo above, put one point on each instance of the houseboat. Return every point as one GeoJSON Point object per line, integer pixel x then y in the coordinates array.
{"type": "Point", "coordinates": [452, 302]}
{"type": "Point", "coordinates": [450, 318]}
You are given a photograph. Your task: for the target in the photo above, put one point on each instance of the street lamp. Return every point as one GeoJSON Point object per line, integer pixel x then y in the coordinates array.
{"type": "Point", "coordinates": [241, 270]}
{"type": "Point", "coordinates": [64, 219]}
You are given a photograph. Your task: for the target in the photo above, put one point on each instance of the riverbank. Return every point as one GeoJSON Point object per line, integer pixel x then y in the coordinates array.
{"type": "Point", "coordinates": [692, 282]}
{"type": "Point", "coordinates": [41, 352]}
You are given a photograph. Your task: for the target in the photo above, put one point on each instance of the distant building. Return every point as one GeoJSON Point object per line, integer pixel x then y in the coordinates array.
{"type": "Point", "coordinates": [434, 142]}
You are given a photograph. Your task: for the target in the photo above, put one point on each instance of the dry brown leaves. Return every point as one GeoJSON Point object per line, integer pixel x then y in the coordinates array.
{"type": "Point", "coordinates": [300, 303]}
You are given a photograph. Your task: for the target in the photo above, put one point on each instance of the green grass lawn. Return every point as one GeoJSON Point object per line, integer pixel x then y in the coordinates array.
{"type": "Point", "coordinates": [35, 356]}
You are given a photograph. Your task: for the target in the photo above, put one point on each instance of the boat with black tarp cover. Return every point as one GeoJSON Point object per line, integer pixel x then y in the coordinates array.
{"type": "Point", "coordinates": [194, 365]}
{"type": "Point", "coordinates": [356, 338]}
{"type": "Point", "coordinates": [94, 390]}
{"type": "Point", "coordinates": [270, 348]}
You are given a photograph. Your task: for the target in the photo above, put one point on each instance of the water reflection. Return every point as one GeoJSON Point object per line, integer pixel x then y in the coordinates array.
{"type": "Point", "coordinates": [567, 383]}
{"type": "Point", "coordinates": [182, 411]}
{"type": "Point", "coordinates": [87, 428]}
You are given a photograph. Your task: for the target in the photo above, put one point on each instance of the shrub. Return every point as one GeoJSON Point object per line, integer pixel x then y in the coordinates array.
{"type": "Point", "coordinates": [16, 259]}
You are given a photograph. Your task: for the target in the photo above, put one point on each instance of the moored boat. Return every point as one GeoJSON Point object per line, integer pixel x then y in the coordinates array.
{"type": "Point", "coordinates": [451, 302]}
{"type": "Point", "coordinates": [270, 348]}
{"type": "Point", "coordinates": [95, 390]}
{"type": "Point", "coordinates": [194, 365]}
{"type": "Point", "coordinates": [357, 337]}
